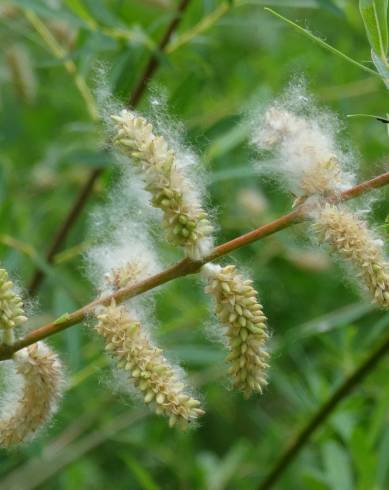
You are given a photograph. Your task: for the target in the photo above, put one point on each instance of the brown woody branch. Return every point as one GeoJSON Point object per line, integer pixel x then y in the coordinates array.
{"type": "Point", "coordinates": [182, 268]}
{"type": "Point", "coordinates": [84, 193]}
{"type": "Point", "coordinates": [323, 412]}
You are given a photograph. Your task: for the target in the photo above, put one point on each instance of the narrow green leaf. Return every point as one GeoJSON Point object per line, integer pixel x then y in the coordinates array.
{"type": "Point", "coordinates": [374, 14]}
{"type": "Point", "coordinates": [240, 172]}
{"type": "Point", "coordinates": [364, 458]}
{"type": "Point", "coordinates": [371, 116]}
{"type": "Point", "coordinates": [382, 67]}
{"type": "Point", "coordinates": [143, 477]}
{"type": "Point", "coordinates": [322, 43]}
{"type": "Point", "coordinates": [44, 11]}
{"type": "Point", "coordinates": [78, 8]}
{"type": "Point", "coordinates": [337, 467]}
{"type": "Point", "coordinates": [227, 141]}
{"type": "Point", "coordinates": [229, 467]}
{"type": "Point", "coordinates": [313, 479]}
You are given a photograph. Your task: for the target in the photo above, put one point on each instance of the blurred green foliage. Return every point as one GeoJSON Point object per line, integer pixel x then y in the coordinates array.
{"type": "Point", "coordinates": [321, 328]}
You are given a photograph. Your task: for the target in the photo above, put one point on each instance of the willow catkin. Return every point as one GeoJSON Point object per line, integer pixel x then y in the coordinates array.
{"type": "Point", "coordinates": [308, 158]}
{"type": "Point", "coordinates": [26, 413]}
{"type": "Point", "coordinates": [11, 304]}
{"type": "Point", "coordinates": [239, 310]}
{"type": "Point", "coordinates": [308, 155]}
{"type": "Point", "coordinates": [184, 219]}
{"type": "Point", "coordinates": [350, 237]}
{"type": "Point", "coordinates": [146, 366]}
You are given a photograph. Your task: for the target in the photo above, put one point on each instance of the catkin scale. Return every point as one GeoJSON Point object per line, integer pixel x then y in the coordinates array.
{"type": "Point", "coordinates": [126, 275]}
{"type": "Point", "coordinates": [24, 416]}
{"type": "Point", "coordinates": [11, 305]}
{"type": "Point", "coordinates": [350, 237]}
{"type": "Point", "coordinates": [238, 309]}
{"type": "Point", "coordinates": [184, 219]}
{"type": "Point", "coordinates": [146, 366]}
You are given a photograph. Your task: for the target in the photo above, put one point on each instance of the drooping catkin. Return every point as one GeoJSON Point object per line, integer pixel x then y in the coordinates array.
{"type": "Point", "coordinates": [302, 140]}
{"type": "Point", "coordinates": [147, 367]}
{"type": "Point", "coordinates": [184, 219]}
{"type": "Point", "coordinates": [240, 312]}
{"type": "Point", "coordinates": [26, 413]}
{"type": "Point", "coordinates": [349, 236]}
{"type": "Point", "coordinates": [11, 305]}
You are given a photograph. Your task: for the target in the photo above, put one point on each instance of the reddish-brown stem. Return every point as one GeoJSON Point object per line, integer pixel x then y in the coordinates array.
{"type": "Point", "coordinates": [86, 190]}
{"type": "Point", "coordinates": [184, 267]}
{"type": "Point", "coordinates": [359, 189]}
{"type": "Point", "coordinates": [257, 234]}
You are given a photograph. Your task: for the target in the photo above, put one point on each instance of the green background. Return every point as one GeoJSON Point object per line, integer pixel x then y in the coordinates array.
{"type": "Point", "coordinates": [321, 328]}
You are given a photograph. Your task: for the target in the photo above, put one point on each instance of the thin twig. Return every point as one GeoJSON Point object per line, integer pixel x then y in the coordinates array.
{"type": "Point", "coordinates": [183, 268]}
{"type": "Point", "coordinates": [204, 24]}
{"type": "Point", "coordinates": [63, 230]}
{"type": "Point", "coordinates": [154, 61]}
{"type": "Point", "coordinates": [87, 188]}
{"type": "Point", "coordinates": [322, 414]}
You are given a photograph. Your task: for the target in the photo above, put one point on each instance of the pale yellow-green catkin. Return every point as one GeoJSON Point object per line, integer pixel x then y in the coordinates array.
{"type": "Point", "coordinates": [24, 415]}
{"type": "Point", "coordinates": [184, 219]}
{"type": "Point", "coordinates": [11, 305]}
{"type": "Point", "coordinates": [240, 312]}
{"type": "Point", "coordinates": [350, 237]}
{"type": "Point", "coordinates": [146, 366]}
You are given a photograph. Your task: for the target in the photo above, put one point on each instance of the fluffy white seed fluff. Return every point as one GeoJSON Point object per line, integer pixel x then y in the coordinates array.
{"type": "Point", "coordinates": [26, 411]}
{"type": "Point", "coordinates": [240, 312]}
{"type": "Point", "coordinates": [350, 237]}
{"type": "Point", "coordinates": [119, 228]}
{"type": "Point", "coordinates": [303, 141]}
{"type": "Point", "coordinates": [185, 221]}
{"type": "Point", "coordinates": [128, 247]}
{"type": "Point", "coordinates": [127, 339]}
{"type": "Point", "coordinates": [124, 255]}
